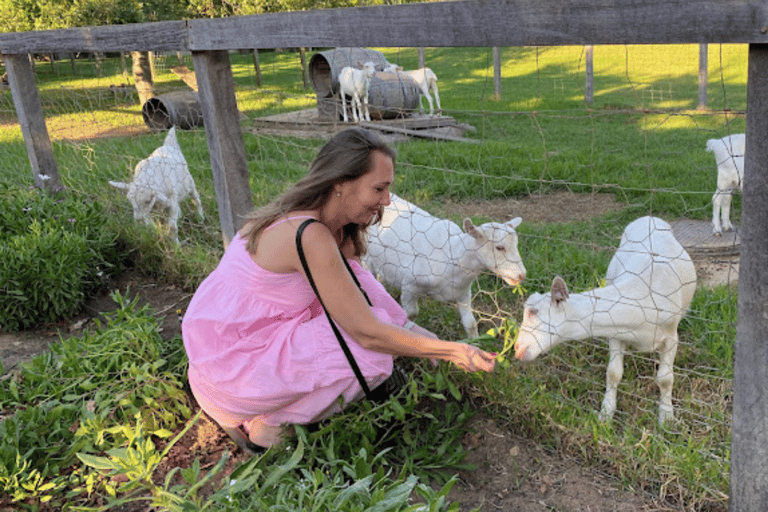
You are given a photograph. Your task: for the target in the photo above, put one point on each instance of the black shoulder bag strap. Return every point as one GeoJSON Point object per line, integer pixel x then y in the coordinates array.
{"type": "Point", "coordinates": [342, 342]}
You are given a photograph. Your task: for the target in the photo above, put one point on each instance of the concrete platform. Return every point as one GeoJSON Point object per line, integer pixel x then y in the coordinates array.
{"type": "Point", "coordinates": [697, 238]}
{"type": "Point", "coordinates": [414, 125]}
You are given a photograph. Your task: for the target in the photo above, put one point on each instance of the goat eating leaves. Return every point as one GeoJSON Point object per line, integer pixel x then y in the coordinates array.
{"type": "Point", "coordinates": [650, 283]}
{"type": "Point", "coordinates": [425, 255]}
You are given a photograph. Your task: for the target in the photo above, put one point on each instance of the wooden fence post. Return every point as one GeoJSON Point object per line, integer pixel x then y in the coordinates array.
{"type": "Point", "coordinates": [749, 448]}
{"type": "Point", "coordinates": [304, 70]}
{"type": "Point", "coordinates": [216, 88]}
{"type": "Point", "coordinates": [257, 66]}
{"type": "Point", "coordinates": [26, 99]}
{"type": "Point", "coordinates": [589, 79]}
{"type": "Point", "coordinates": [703, 76]}
{"type": "Point", "coordinates": [497, 72]}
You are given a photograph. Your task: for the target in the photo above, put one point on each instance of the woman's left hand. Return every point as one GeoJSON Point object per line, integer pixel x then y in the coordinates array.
{"type": "Point", "coordinates": [472, 359]}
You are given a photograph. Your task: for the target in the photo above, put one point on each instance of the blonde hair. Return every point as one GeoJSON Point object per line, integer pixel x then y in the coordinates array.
{"type": "Point", "coordinates": [345, 157]}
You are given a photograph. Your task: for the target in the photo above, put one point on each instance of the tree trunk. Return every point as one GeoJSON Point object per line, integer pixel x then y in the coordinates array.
{"type": "Point", "coordinates": [256, 66]}
{"type": "Point", "coordinates": [304, 71]}
{"type": "Point", "coordinates": [142, 76]}
{"type": "Point", "coordinates": [497, 72]}
{"type": "Point", "coordinates": [123, 65]}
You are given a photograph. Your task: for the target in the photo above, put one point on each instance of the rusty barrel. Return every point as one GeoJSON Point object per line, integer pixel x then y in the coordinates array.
{"type": "Point", "coordinates": [180, 108]}
{"type": "Point", "coordinates": [389, 94]}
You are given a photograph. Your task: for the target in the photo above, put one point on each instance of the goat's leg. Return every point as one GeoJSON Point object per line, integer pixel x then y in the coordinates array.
{"type": "Point", "coordinates": [198, 203]}
{"type": "Point", "coordinates": [344, 106]}
{"type": "Point", "coordinates": [173, 220]}
{"type": "Point", "coordinates": [613, 375]}
{"type": "Point", "coordinates": [665, 377]}
{"type": "Point", "coordinates": [464, 305]}
{"type": "Point", "coordinates": [409, 301]}
{"type": "Point", "coordinates": [431, 105]}
{"type": "Point", "coordinates": [366, 112]}
{"type": "Point", "coordinates": [725, 211]}
{"type": "Point", "coordinates": [356, 107]}
{"type": "Point", "coordinates": [716, 204]}
{"type": "Point", "coordinates": [437, 99]}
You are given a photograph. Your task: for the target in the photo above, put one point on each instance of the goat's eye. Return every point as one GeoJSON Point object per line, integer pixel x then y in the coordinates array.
{"type": "Point", "coordinates": [501, 248]}
{"type": "Point", "coordinates": [532, 312]}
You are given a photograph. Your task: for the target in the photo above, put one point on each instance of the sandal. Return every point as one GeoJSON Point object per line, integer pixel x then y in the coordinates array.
{"type": "Point", "coordinates": [241, 439]}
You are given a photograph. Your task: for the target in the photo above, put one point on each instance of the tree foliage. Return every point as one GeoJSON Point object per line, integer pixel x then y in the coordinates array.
{"type": "Point", "coordinates": [25, 15]}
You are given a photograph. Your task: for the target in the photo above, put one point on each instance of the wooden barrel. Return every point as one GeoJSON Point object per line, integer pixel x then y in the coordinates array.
{"type": "Point", "coordinates": [180, 108]}
{"type": "Point", "coordinates": [389, 95]}
{"type": "Point", "coordinates": [392, 95]}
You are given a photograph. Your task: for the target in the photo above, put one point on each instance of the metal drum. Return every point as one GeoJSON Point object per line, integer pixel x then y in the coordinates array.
{"type": "Point", "coordinates": [389, 95]}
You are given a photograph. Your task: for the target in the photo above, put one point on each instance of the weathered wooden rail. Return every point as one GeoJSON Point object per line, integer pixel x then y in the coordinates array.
{"type": "Point", "coordinates": [480, 23]}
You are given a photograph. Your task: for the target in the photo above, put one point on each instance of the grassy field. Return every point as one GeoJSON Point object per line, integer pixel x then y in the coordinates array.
{"type": "Point", "coordinates": [642, 141]}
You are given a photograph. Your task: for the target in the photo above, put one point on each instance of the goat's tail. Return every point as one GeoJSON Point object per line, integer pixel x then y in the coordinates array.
{"type": "Point", "coordinates": [170, 139]}
{"type": "Point", "coordinates": [119, 184]}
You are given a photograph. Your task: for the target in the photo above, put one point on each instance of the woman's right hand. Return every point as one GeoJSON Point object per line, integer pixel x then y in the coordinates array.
{"type": "Point", "coordinates": [472, 359]}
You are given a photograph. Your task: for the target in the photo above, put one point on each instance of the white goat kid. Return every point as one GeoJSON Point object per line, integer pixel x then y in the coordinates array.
{"type": "Point", "coordinates": [355, 82]}
{"type": "Point", "coordinates": [423, 255]}
{"type": "Point", "coordinates": [729, 155]}
{"type": "Point", "coordinates": [161, 180]}
{"type": "Point", "coordinates": [426, 79]}
{"type": "Point", "coordinates": [650, 283]}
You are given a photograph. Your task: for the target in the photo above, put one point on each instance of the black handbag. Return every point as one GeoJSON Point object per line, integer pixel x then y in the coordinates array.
{"type": "Point", "coordinates": [394, 382]}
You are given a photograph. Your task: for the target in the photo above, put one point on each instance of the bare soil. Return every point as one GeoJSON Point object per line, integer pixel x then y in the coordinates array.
{"type": "Point", "coordinates": [512, 473]}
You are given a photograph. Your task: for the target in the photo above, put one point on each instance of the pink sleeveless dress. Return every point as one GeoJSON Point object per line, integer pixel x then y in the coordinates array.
{"type": "Point", "coordinates": [259, 344]}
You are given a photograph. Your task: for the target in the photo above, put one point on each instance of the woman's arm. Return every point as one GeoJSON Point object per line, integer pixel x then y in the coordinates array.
{"type": "Point", "coordinates": [348, 308]}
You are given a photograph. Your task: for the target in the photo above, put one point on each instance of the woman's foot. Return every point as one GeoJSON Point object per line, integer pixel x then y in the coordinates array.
{"type": "Point", "coordinates": [264, 435]}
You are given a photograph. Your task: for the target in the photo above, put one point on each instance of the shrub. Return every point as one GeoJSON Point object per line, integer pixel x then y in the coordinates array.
{"type": "Point", "coordinates": [55, 255]}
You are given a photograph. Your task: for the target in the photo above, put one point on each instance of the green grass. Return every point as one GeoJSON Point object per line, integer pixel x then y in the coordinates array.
{"type": "Point", "coordinates": [642, 140]}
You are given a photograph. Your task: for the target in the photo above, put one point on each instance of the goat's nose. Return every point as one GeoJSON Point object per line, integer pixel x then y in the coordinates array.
{"type": "Point", "coordinates": [521, 277]}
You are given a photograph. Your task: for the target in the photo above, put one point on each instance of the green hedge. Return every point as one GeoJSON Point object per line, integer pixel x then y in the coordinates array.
{"type": "Point", "coordinates": [55, 255]}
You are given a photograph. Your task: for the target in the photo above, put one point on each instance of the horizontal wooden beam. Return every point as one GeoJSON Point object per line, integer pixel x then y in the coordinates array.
{"type": "Point", "coordinates": [156, 36]}
{"type": "Point", "coordinates": [479, 23]}
{"type": "Point", "coordinates": [488, 23]}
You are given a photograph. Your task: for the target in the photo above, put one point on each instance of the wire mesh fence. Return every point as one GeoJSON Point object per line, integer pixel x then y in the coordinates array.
{"type": "Point", "coordinates": [576, 172]}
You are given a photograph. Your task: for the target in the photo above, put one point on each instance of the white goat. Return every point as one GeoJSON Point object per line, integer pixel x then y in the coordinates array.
{"type": "Point", "coordinates": [162, 179]}
{"type": "Point", "coordinates": [426, 79]}
{"type": "Point", "coordinates": [355, 82]}
{"type": "Point", "coordinates": [729, 155]}
{"type": "Point", "coordinates": [424, 255]}
{"type": "Point", "coordinates": [650, 283]}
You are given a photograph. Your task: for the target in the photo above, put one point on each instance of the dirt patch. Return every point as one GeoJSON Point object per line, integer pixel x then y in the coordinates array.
{"type": "Point", "coordinates": [557, 207]}
{"type": "Point", "coordinates": [517, 474]}
{"type": "Point", "coordinates": [165, 299]}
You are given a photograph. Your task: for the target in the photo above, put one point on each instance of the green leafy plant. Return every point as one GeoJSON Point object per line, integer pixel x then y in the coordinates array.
{"type": "Point", "coordinates": [77, 397]}
{"type": "Point", "coordinates": [55, 255]}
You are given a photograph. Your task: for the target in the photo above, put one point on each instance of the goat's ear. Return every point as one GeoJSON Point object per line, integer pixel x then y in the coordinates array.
{"type": "Point", "coordinates": [559, 291]}
{"type": "Point", "coordinates": [472, 230]}
{"type": "Point", "coordinates": [119, 184]}
{"type": "Point", "coordinates": [515, 222]}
